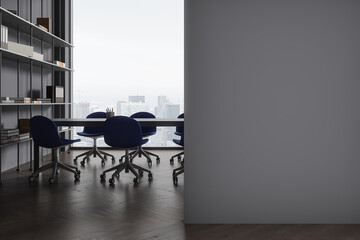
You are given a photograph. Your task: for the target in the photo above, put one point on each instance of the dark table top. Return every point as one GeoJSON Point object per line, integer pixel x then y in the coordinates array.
{"type": "Point", "coordinates": [81, 122]}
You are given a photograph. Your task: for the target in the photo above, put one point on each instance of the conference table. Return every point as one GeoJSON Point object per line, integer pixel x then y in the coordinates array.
{"type": "Point", "coordinates": [93, 122]}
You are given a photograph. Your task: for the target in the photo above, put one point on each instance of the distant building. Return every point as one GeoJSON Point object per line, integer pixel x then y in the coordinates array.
{"type": "Point", "coordinates": [81, 110]}
{"type": "Point", "coordinates": [127, 109]}
{"type": "Point", "coordinates": [172, 110]}
{"type": "Point", "coordinates": [118, 107]}
{"type": "Point", "coordinates": [137, 99]}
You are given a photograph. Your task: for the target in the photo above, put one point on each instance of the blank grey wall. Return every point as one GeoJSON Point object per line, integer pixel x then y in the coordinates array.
{"type": "Point", "coordinates": [272, 104]}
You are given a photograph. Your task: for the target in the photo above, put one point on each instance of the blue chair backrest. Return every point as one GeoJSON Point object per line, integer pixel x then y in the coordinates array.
{"type": "Point", "coordinates": [44, 132]}
{"type": "Point", "coordinates": [145, 130]}
{"type": "Point", "coordinates": [180, 129]}
{"type": "Point", "coordinates": [95, 130]}
{"type": "Point", "coordinates": [122, 132]}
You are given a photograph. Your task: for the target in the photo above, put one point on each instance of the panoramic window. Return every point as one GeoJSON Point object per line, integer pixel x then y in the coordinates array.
{"type": "Point", "coordinates": [129, 58]}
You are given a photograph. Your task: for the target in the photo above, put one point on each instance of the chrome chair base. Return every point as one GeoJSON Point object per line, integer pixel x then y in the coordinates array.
{"type": "Point", "coordinates": [55, 165]}
{"type": "Point", "coordinates": [95, 152]}
{"type": "Point", "coordinates": [141, 151]}
{"type": "Point", "coordinates": [178, 156]}
{"type": "Point", "coordinates": [177, 172]}
{"type": "Point", "coordinates": [127, 165]}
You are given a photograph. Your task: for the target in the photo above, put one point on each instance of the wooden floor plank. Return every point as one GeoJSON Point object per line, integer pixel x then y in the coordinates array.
{"type": "Point", "coordinates": [90, 209]}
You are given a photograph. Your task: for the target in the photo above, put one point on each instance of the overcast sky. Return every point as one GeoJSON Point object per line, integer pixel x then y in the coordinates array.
{"type": "Point", "coordinates": [132, 47]}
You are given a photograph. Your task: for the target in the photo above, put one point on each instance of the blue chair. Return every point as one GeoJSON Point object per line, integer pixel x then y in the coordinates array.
{"type": "Point", "coordinates": [179, 131]}
{"type": "Point", "coordinates": [45, 134]}
{"type": "Point", "coordinates": [179, 170]}
{"type": "Point", "coordinates": [146, 132]}
{"type": "Point", "coordinates": [124, 133]}
{"type": "Point", "coordinates": [94, 133]}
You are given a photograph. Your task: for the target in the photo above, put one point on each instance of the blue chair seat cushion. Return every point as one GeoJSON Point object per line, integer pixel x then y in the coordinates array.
{"type": "Point", "coordinates": [143, 141]}
{"type": "Point", "coordinates": [178, 142]}
{"type": "Point", "coordinates": [65, 142]}
{"type": "Point", "coordinates": [85, 134]}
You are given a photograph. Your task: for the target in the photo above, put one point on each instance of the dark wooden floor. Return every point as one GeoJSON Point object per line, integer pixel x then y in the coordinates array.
{"type": "Point", "coordinates": [90, 209]}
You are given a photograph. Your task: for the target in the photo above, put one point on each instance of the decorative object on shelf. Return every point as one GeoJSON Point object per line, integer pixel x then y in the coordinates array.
{"type": "Point", "coordinates": [4, 37]}
{"type": "Point", "coordinates": [9, 135]}
{"type": "Point", "coordinates": [60, 64]}
{"type": "Point", "coordinates": [55, 93]}
{"type": "Point", "coordinates": [109, 112]}
{"type": "Point", "coordinates": [45, 23]}
{"type": "Point", "coordinates": [24, 125]}
{"type": "Point", "coordinates": [21, 49]}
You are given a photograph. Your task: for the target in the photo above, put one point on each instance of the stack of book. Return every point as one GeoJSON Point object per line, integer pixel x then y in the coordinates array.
{"type": "Point", "coordinates": [23, 136]}
{"type": "Point", "coordinates": [41, 100]}
{"type": "Point", "coordinates": [21, 99]}
{"type": "Point", "coordinates": [9, 135]}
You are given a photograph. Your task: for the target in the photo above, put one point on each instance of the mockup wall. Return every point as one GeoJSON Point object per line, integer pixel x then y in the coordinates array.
{"type": "Point", "coordinates": [272, 105]}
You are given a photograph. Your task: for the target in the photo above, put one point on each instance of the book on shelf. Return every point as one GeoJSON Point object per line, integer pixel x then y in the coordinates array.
{"type": "Point", "coordinates": [9, 130]}
{"type": "Point", "coordinates": [15, 100]}
{"type": "Point", "coordinates": [23, 136]}
{"type": "Point", "coordinates": [42, 27]}
{"type": "Point", "coordinates": [4, 37]}
{"type": "Point", "coordinates": [5, 136]}
{"type": "Point", "coordinates": [7, 101]}
{"type": "Point", "coordinates": [42, 100]}
{"type": "Point", "coordinates": [45, 23]}
{"type": "Point", "coordinates": [11, 139]}
{"type": "Point", "coordinates": [21, 99]}
{"type": "Point", "coordinates": [55, 93]}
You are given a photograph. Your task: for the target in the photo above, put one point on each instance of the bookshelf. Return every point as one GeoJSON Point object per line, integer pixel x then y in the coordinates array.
{"type": "Point", "coordinates": [26, 76]}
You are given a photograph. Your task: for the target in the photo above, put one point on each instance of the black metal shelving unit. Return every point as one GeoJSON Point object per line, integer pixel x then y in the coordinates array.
{"type": "Point", "coordinates": [59, 46]}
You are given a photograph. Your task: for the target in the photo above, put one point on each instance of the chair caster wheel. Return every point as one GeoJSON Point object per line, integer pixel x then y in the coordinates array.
{"type": "Point", "coordinates": [113, 159]}
{"type": "Point", "coordinates": [150, 163]}
{"type": "Point", "coordinates": [75, 160]}
{"type": "Point", "coordinates": [102, 177]}
{"type": "Point", "coordinates": [171, 161]}
{"type": "Point", "coordinates": [105, 157]}
{"type": "Point", "coordinates": [77, 176]}
{"type": "Point", "coordinates": [58, 171]}
{"type": "Point", "coordinates": [31, 179]}
{"type": "Point", "coordinates": [141, 173]}
{"type": "Point", "coordinates": [136, 180]}
{"type": "Point", "coordinates": [157, 160]}
{"type": "Point", "coordinates": [150, 176]}
{"type": "Point", "coordinates": [51, 180]}
{"type": "Point", "coordinates": [112, 182]}
{"type": "Point", "coordinates": [78, 171]}
{"type": "Point", "coordinates": [179, 158]}
{"type": "Point", "coordinates": [102, 162]}
{"type": "Point", "coordinates": [83, 162]}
